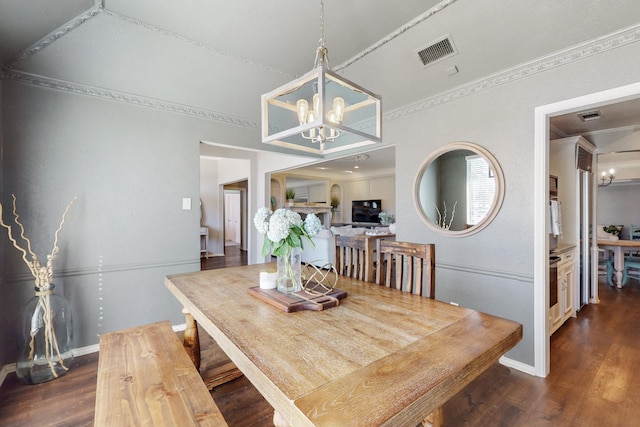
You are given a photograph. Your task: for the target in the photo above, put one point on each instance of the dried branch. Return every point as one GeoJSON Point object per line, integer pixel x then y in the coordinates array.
{"type": "Point", "coordinates": [442, 217]}
{"type": "Point", "coordinates": [15, 243]}
{"type": "Point", "coordinates": [43, 275]}
{"type": "Point", "coordinates": [16, 216]}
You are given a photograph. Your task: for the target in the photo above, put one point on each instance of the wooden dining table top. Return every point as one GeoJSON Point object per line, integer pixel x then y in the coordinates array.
{"type": "Point", "coordinates": [381, 357]}
{"type": "Point", "coordinates": [620, 242]}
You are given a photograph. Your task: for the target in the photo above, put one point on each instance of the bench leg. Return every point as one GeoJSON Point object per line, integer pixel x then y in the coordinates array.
{"type": "Point", "coordinates": [192, 339]}
{"type": "Point", "coordinates": [435, 419]}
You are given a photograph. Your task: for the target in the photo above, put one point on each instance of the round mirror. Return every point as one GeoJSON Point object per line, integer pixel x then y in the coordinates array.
{"type": "Point", "coordinates": [459, 189]}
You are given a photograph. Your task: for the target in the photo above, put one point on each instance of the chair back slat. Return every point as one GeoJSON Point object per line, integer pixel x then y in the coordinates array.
{"type": "Point", "coordinates": [354, 255]}
{"type": "Point", "coordinates": [409, 267]}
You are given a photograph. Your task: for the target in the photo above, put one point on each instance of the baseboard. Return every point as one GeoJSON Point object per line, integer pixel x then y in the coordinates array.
{"type": "Point", "coordinates": [519, 366]}
{"type": "Point", "coordinates": [81, 351]}
{"type": "Point", "coordinates": [6, 370]}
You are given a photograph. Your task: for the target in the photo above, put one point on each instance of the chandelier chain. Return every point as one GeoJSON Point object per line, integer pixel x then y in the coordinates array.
{"type": "Point", "coordinates": [321, 41]}
{"type": "Point", "coordinates": [322, 55]}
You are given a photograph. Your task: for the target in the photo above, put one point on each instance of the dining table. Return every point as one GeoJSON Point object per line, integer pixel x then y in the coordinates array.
{"type": "Point", "coordinates": [618, 247]}
{"type": "Point", "coordinates": [377, 357]}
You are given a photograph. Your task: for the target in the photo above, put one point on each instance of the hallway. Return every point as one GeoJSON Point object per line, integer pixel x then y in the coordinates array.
{"type": "Point", "coordinates": [233, 256]}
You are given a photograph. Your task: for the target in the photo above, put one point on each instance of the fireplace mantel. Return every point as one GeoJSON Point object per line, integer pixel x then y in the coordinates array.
{"type": "Point", "coordinates": [322, 211]}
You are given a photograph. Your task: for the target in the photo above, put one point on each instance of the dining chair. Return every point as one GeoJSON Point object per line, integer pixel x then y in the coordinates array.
{"type": "Point", "coordinates": [406, 266]}
{"type": "Point", "coordinates": [354, 257]}
{"type": "Point", "coordinates": [409, 267]}
{"type": "Point", "coordinates": [607, 265]}
{"type": "Point", "coordinates": [631, 269]}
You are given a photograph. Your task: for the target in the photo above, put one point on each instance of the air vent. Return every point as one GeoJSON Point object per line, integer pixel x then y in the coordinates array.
{"type": "Point", "coordinates": [589, 115]}
{"type": "Point", "coordinates": [437, 50]}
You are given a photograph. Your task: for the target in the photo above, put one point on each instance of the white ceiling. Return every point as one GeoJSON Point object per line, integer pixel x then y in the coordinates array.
{"type": "Point", "coordinates": [221, 55]}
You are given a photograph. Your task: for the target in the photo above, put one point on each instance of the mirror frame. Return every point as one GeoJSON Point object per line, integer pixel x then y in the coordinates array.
{"type": "Point", "coordinates": [498, 197]}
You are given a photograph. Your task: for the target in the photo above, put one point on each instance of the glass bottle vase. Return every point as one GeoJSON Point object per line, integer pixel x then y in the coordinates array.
{"type": "Point", "coordinates": [289, 272]}
{"type": "Point", "coordinates": [45, 337]}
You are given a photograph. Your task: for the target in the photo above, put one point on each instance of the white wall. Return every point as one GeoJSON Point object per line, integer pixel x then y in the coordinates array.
{"type": "Point", "coordinates": [211, 204]}
{"type": "Point", "coordinates": [379, 187]}
{"type": "Point", "coordinates": [618, 203]}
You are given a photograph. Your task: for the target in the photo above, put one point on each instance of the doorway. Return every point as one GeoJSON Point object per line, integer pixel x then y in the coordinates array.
{"type": "Point", "coordinates": [543, 114]}
{"type": "Point", "coordinates": [234, 215]}
{"type": "Point", "coordinates": [232, 218]}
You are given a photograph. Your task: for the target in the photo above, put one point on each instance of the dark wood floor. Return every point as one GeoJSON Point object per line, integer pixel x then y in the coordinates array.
{"type": "Point", "coordinates": [233, 256]}
{"type": "Point", "coordinates": [594, 381]}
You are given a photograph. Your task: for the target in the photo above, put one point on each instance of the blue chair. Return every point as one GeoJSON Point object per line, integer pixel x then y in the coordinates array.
{"type": "Point", "coordinates": [608, 263]}
{"type": "Point", "coordinates": [631, 263]}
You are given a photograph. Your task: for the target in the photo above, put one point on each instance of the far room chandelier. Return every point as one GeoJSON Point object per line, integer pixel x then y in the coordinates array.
{"type": "Point", "coordinates": [321, 112]}
{"type": "Point", "coordinates": [604, 177]}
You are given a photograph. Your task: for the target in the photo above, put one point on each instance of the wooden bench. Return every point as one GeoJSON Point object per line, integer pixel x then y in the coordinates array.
{"type": "Point", "coordinates": [145, 378]}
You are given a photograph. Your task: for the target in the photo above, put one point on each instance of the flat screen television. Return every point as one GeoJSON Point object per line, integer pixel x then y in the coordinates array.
{"type": "Point", "coordinates": [366, 210]}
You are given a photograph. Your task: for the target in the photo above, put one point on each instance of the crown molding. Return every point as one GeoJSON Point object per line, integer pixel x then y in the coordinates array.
{"type": "Point", "coordinates": [545, 63]}
{"type": "Point", "coordinates": [127, 98]}
{"type": "Point", "coordinates": [564, 57]}
{"type": "Point", "coordinates": [193, 42]}
{"type": "Point", "coordinates": [99, 9]}
{"type": "Point", "coordinates": [409, 25]}
{"type": "Point", "coordinates": [57, 34]}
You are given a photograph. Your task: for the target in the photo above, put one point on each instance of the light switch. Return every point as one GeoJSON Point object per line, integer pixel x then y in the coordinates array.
{"type": "Point", "coordinates": [186, 204]}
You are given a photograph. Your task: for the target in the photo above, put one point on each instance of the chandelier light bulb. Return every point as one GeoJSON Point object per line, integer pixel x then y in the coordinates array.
{"type": "Point", "coordinates": [303, 110]}
{"type": "Point", "coordinates": [338, 108]}
{"type": "Point", "coordinates": [316, 102]}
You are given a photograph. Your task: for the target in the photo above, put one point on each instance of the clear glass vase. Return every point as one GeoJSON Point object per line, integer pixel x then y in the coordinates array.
{"type": "Point", "coordinates": [45, 338]}
{"type": "Point", "coordinates": [289, 272]}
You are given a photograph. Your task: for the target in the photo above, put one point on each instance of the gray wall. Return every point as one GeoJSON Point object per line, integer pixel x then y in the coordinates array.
{"type": "Point", "coordinates": [130, 167]}
{"type": "Point", "coordinates": [493, 270]}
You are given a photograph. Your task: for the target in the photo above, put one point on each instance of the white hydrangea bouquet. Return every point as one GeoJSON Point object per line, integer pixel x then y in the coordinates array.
{"type": "Point", "coordinates": [284, 230]}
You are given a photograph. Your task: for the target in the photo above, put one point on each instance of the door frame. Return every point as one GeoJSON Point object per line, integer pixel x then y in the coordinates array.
{"type": "Point", "coordinates": [542, 114]}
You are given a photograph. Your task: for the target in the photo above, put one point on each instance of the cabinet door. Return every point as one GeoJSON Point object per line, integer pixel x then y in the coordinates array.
{"type": "Point", "coordinates": [555, 318]}
{"type": "Point", "coordinates": [568, 279]}
{"type": "Point", "coordinates": [556, 312]}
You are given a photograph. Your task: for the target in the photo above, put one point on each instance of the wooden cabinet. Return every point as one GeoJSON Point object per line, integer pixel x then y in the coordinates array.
{"type": "Point", "coordinates": [564, 309]}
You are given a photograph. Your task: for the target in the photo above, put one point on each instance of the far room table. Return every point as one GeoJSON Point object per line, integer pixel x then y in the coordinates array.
{"type": "Point", "coordinates": [618, 248]}
{"type": "Point", "coordinates": [380, 358]}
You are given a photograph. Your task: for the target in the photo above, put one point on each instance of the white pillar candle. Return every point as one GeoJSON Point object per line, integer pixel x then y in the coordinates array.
{"type": "Point", "coordinates": [268, 279]}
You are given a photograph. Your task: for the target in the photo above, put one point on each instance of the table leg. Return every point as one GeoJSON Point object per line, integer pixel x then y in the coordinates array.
{"type": "Point", "coordinates": [192, 339]}
{"type": "Point", "coordinates": [618, 265]}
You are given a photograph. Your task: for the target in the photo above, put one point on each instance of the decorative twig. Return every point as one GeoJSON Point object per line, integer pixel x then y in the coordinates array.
{"type": "Point", "coordinates": [43, 276]}
{"type": "Point", "coordinates": [442, 218]}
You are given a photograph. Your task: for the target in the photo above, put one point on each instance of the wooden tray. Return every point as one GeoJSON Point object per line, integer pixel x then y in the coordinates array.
{"type": "Point", "coordinates": [298, 301]}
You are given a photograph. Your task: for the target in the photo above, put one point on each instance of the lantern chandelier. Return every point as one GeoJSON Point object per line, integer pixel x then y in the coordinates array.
{"type": "Point", "coordinates": [321, 112]}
